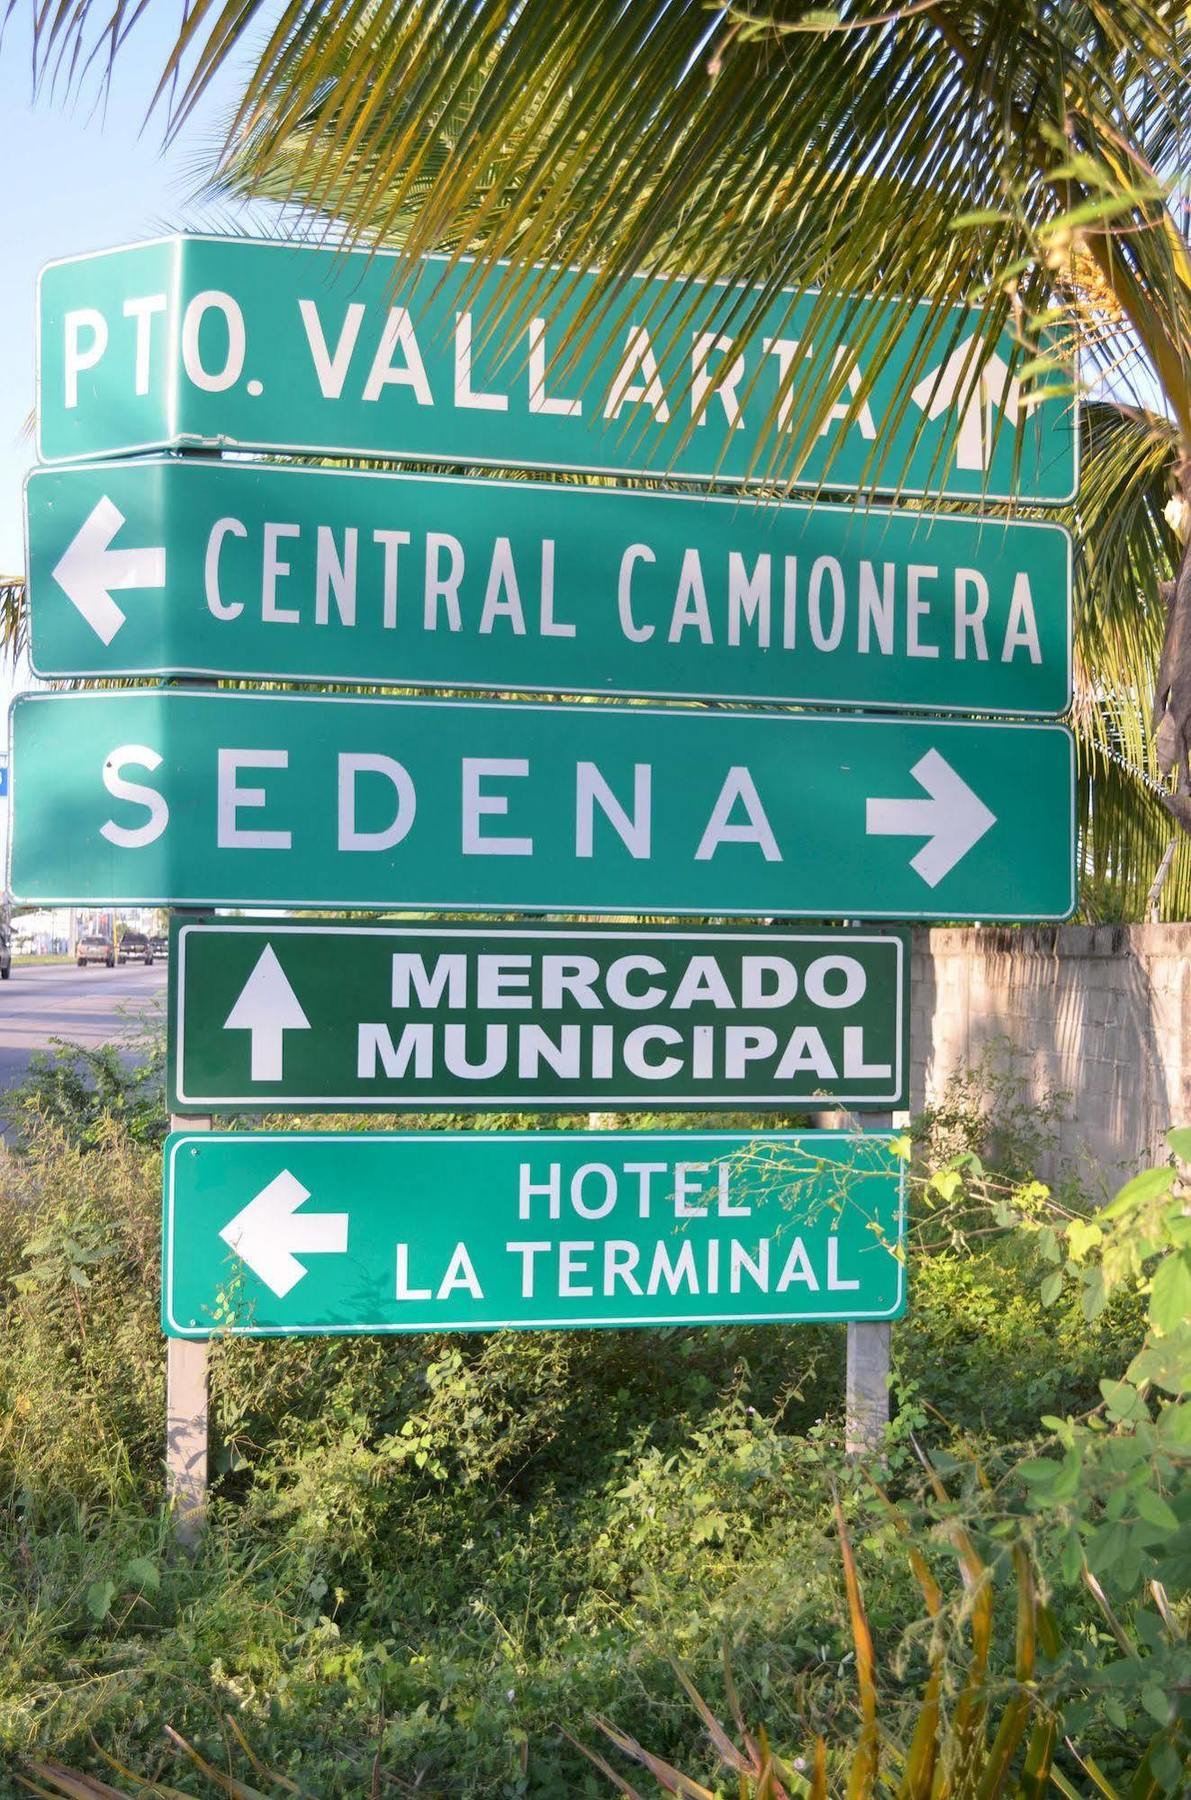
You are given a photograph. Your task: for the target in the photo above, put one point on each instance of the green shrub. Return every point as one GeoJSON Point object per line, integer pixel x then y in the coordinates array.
{"type": "Point", "coordinates": [442, 1551]}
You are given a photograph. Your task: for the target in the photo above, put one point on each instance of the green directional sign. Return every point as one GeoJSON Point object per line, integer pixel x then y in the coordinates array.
{"type": "Point", "coordinates": [329, 1017]}
{"type": "Point", "coordinates": [238, 345]}
{"type": "Point", "coordinates": [222, 568]}
{"type": "Point", "coordinates": [187, 798]}
{"type": "Point", "coordinates": [273, 1234]}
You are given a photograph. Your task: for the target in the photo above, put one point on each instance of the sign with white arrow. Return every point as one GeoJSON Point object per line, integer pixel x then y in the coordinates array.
{"type": "Point", "coordinates": [266, 1008]}
{"type": "Point", "coordinates": [191, 798]}
{"type": "Point", "coordinates": [267, 1233]}
{"type": "Point", "coordinates": [323, 1017]}
{"type": "Point", "coordinates": [273, 1234]}
{"type": "Point", "coordinates": [439, 581]}
{"type": "Point", "coordinates": [952, 818]}
{"type": "Point", "coordinates": [223, 342]}
{"type": "Point", "coordinates": [93, 568]}
{"type": "Point", "coordinates": [982, 394]}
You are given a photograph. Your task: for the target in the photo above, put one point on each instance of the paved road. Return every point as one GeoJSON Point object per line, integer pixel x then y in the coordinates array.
{"type": "Point", "coordinates": [89, 1006]}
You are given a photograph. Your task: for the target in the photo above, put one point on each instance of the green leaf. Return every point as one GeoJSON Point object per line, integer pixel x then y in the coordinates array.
{"type": "Point", "coordinates": [981, 215]}
{"type": "Point", "coordinates": [142, 1573]}
{"type": "Point", "coordinates": [1174, 1425]}
{"type": "Point", "coordinates": [1071, 1562]}
{"type": "Point", "coordinates": [1180, 1142]}
{"type": "Point", "coordinates": [1038, 1471]}
{"type": "Point", "coordinates": [1167, 1765]}
{"type": "Point", "coordinates": [1166, 1362]}
{"type": "Point", "coordinates": [99, 1597]}
{"type": "Point", "coordinates": [1051, 1288]}
{"type": "Point", "coordinates": [1082, 1236]}
{"type": "Point", "coordinates": [1170, 1292]}
{"type": "Point", "coordinates": [1123, 1401]}
{"type": "Point", "coordinates": [1094, 1297]}
{"type": "Point", "coordinates": [1144, 1187]}
{"type": "Point", "coordinates": [1106, 1546]}
{"type": "Point", "coordinates": [1155, 1510]}
{"type": "Point", "coordinates": [1156, 1703]}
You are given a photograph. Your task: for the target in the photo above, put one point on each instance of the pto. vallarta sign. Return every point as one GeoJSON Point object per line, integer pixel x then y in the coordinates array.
{"type": "Point", "coordinates": [229, 344]}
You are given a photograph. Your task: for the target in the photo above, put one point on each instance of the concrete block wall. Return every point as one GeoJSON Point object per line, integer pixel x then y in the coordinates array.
{"type": "Point", "coordinates": [1102, 1013]}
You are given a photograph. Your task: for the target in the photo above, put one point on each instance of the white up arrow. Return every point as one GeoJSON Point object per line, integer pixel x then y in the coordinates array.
{"type": "Point", "coordinates": [951, 820]}
{"type": "Point", "coordinates": [267, 1008]}
{"type": "Point", "coordinates": [90, 571]}
{"type": "Point", "coordinates": [270, 1229]}
{"type": "Point", "coordinates": [955, 381]}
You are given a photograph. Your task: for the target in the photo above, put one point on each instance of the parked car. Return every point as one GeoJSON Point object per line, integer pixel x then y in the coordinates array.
{"type": "Point", "coordinates": [95, 950]}
{"type": "Point", "coordinates": [135, 947]}
{"type": "Point", "coordinates": [161, 947]}
{"type": "Point", "coordinates": [5, 956]}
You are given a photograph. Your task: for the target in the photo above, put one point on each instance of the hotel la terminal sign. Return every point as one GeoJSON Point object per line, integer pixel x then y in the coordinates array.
{"type": "Point", "coordinates": [227, 344]}
{"type": "Point", "coordinates": [272, 1234]}
{"type": "Point", "coordinates": [169, 797]}
{"type": "Point", "coordinates": [214, 567]}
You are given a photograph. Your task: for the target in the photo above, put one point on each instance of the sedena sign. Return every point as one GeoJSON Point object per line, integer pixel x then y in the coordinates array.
{"type": "Point", "coordinates": [269, 1234]}
{"type": "Point", "coordinates": [211, 567]}
{"type": "Point", "coordinates": [231, 344]}
{"type": "Point", "coordinates": [169, 797]}
{"type": "Point", "coordinates": [338, 1016]}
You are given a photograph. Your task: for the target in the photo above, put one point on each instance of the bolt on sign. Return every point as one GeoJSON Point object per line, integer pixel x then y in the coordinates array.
{"type": "Point", "coordinates": [336, 1016]}
{"type": "Point", "coordinates": [230, 344]}
{"type": "Point", "coordinates": [273, 1234]}
{"type": "Point", "coordinates": [168, 797]}
{"type": "Point", "coordinates": [229, 568]}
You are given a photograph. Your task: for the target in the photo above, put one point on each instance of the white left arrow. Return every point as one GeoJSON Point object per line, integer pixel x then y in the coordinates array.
{"type": "Point", "coordinates": [91, 570]}
{"type": "Point", "coordinates": [267, 1008]}
{"type": "Point", "coordinates": [269, 1230]}
{"type": "Point", "coordinates": [952, 818]}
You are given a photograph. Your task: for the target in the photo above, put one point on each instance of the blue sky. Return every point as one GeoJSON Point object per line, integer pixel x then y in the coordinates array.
{"type": "Point", "coordinates": [83, 176]}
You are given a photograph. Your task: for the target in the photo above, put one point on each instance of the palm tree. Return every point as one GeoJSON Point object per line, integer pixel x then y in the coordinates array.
{"type": "Point", "coordinates": [1025, 154]}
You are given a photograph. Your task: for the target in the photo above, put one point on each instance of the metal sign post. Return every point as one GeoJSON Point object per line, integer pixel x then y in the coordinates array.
{"type": "Point", "coordinates": [186, 1412]}
{"type": "Point", "coordinates": [869, 1362]}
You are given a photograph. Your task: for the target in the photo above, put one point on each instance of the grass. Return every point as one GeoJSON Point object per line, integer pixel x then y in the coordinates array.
{"type": "Point", "coordinates": [429, 1560]}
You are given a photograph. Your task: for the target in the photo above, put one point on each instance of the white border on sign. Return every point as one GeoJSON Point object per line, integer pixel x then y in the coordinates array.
{"type": "Point", "coordinates": [382, 1102]}
{"type": "Point", "coordinates": [176, 441]}
{"type": "Point", "coordinates": [420, 903]}
{"type": "Point", "coordinates": [929, 521]}
{"type": "Point", "coordinates": [206, 1139]}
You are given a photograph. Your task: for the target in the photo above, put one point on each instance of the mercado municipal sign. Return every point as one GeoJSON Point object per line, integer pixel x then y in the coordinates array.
{"type": "Point", "coordinates": [329, 1016]}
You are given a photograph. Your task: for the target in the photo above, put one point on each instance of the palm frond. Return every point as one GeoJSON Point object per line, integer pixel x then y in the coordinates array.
{"type": "Point", "coordinates": [768, 149]}
{"type": "Point", "coordinates": [1015, 154]}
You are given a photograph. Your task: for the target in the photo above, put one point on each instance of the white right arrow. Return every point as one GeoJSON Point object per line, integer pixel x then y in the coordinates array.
{"type": "Point", "coordinates": [951, 820]}
{"type": "Point", "coordinates": [91, 570]}
{"type": "Point", "coordinates": [267, 1008]}
{"type": "Point", "coordinates": [270, 1229]}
